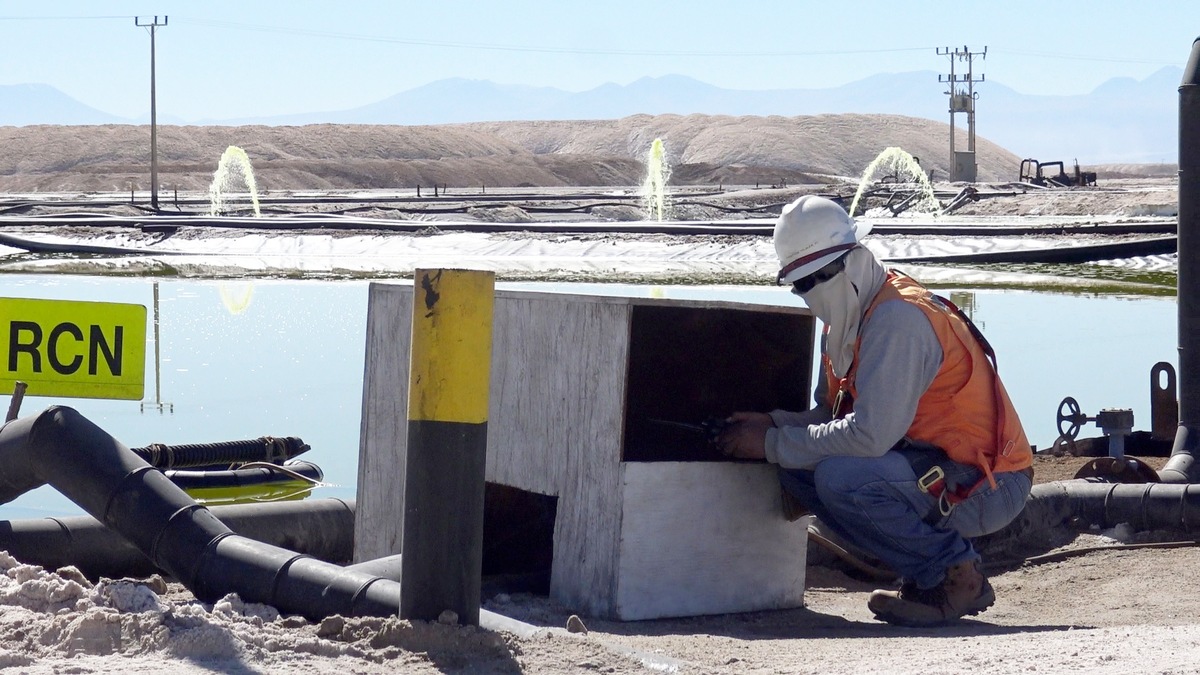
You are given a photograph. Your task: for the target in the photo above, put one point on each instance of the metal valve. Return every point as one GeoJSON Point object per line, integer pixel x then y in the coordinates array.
{"type": "Point", "coordinates": [1115, 423]}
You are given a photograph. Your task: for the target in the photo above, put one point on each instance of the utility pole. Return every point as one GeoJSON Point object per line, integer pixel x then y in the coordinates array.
{"type": "Point", "coordinates": [962, 100]}
{"type": "Point", "coordinates": [152, 25]}
{"type": "Point", "coordinates": [158, 402]}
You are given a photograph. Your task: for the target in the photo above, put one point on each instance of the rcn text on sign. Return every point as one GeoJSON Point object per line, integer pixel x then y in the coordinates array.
{"type": "Point", "coordinates": [73, 349]}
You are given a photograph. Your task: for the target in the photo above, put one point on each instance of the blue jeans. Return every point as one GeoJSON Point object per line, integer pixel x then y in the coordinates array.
{"type": "Point", "coordinates": [875, 504]}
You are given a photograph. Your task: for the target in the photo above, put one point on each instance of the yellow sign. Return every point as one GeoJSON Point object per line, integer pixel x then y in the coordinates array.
{"type": "Point", "coordinates": [73, 349]}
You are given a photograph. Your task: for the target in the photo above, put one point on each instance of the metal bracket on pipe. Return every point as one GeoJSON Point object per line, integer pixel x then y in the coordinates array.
{"type": "Point", "coordinates": [1164, 401]}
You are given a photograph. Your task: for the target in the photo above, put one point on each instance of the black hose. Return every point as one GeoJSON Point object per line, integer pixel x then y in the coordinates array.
{"type": "Point", "coordinates": [192, 455]}
{"type": "Point", "coordinates": [249, 475]}
{"type": "Point", "coordinates": [873, 572]}
{"type": "Point", "coordinates": [322, 528]}
{"type": "Point", "coordinates": [20, 480]}
{"type": "Point", "coordinates": [1059, 556]}
{"type": "Point", "coordinates": [98, 473]}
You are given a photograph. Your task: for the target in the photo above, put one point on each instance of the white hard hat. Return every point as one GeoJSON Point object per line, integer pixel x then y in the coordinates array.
{"type": "Point", "coordinates": [811, 233]}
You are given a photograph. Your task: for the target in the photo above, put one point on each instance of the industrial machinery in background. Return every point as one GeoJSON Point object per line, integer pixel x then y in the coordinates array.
{"type": "Point", "coordinates": [1119, 437]}
{"type": "Point", "coordinates": [1038, 173]}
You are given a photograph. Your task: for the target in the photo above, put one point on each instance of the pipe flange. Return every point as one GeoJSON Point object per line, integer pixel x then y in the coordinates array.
{"type": "Point", "coordinates": [1119, 470]}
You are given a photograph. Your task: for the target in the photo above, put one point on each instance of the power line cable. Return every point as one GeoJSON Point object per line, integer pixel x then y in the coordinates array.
{"type": "Point", "coordinates": [541, 49]}
{"type": "Point", "coordinates": [123, 17]}
{"type": "Point", "coordinates": [535, 48]}
{"type": "Point", "coordinates": [1077, 57]}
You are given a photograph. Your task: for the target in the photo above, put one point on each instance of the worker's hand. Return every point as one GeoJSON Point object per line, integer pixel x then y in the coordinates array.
{"type": "Point", "coordinates": [757, 417]}
{"type": "Point", "coordinates": [746, 436]}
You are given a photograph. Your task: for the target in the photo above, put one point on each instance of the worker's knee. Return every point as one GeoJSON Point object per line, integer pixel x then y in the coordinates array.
{"type": "Point", "coordinates": [836, 476]}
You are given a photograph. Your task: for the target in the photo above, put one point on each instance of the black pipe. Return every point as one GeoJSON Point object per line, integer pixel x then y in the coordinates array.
{"type": "Point", "coordinates": [1083, 504]}
{"type": "Point", "coordinates": [387, 567]}
{"type": "Point", "coordinates": [1181, 468]}
{"type": "Point", "coordinates": [191, 455]}
{"type": "Point", "coordinates": [101, 475]}
{"type": "Point", "coordinates": [322, 528]}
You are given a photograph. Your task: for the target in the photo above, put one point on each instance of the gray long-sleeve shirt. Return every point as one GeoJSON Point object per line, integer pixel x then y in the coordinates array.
{"type": "Point", "coordinates": [897, 361]}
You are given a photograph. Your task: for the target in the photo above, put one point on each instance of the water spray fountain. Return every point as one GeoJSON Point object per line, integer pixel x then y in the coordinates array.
{"type": "Point", "coordinates": [654, 189]}
{"type": "Point", "coordinates": [898, 165]}
{"type": "Point", "coordinates": [234, 162]}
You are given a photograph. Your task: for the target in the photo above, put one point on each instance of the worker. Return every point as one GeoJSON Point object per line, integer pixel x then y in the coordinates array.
{"type": "Point", "coordinates": [914, 446]}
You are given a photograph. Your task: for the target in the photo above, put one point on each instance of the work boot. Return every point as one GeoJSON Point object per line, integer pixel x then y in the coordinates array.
{"type": "Point", "coordinates": [964, 591]}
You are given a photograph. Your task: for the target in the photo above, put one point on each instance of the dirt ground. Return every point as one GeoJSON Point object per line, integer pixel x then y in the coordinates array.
{"type": "Point", "coordinates": [1115, 601]}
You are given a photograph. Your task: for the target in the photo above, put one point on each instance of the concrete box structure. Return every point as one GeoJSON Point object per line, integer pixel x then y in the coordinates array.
{"type": "Point", "coordinates": [649, 519]}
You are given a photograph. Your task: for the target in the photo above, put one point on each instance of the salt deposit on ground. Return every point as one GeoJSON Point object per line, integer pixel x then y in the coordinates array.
{"type": "Point", "coordinates": [60, 622]}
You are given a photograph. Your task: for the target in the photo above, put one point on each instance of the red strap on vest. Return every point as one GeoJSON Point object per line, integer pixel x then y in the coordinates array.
{"type": "Point", "coordinates": [844, 401]}
{"type": "Point", "coordinates": [991, 354]}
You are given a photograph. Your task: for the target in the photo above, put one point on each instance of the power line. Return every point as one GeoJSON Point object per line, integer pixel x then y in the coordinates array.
{"type": "Point", "coordinates": [599, 51]}
{"type": "Point", "coordinates": [124, 17]}
{"type": "Point", "coordinates": [1077, 57]}
{"type": "Point", "coordinates": [533, 48]}
{"type": "Point", "coordinates": [358, 37]}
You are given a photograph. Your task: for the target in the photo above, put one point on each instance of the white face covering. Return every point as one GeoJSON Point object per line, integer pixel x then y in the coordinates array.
{"type": "Point", "coordinates": [841, 302]}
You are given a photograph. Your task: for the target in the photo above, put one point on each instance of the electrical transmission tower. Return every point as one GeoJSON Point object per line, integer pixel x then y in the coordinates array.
{"type": "Point", "coordinates": [962, 100]}
{"type": "Point", "coordinates": [151, 26]}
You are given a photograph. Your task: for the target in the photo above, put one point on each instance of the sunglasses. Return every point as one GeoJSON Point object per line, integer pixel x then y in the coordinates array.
{"type": "Point", "coordinates": [806, 284]}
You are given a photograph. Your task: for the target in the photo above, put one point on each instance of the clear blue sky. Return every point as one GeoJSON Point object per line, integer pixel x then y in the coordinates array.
{"type": "Point", "coordinates": [219, 59]}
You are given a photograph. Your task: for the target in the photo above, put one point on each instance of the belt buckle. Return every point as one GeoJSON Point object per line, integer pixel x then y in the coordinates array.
{"type": "Point", "coordinates": [931, 479]}
{"type": "Point", "coordinates": [840, 404]}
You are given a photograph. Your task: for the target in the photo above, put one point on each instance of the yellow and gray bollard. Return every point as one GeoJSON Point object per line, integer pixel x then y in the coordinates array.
{"type": "Point", "coordinates": [447, 440]}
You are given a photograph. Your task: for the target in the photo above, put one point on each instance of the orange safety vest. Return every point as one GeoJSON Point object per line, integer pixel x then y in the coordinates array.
{"type": "Point", "coordinates": [966, 411]}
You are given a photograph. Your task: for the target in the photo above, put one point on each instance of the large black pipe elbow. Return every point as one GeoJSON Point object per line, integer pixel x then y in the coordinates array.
{"type": "Point", "coordinates": [105, 478]}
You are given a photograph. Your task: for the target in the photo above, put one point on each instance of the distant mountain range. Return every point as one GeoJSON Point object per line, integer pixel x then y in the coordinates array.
{"type": "Point", "coordinates": [1121, 121]}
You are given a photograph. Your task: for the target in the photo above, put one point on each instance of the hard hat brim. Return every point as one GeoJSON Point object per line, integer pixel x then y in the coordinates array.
{"type": "Point", "coordinates": [787, 276]}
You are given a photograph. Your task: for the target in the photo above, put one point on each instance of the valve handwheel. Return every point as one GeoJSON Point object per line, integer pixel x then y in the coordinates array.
{"type": "Point", "coordinates": [1068, 411]}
